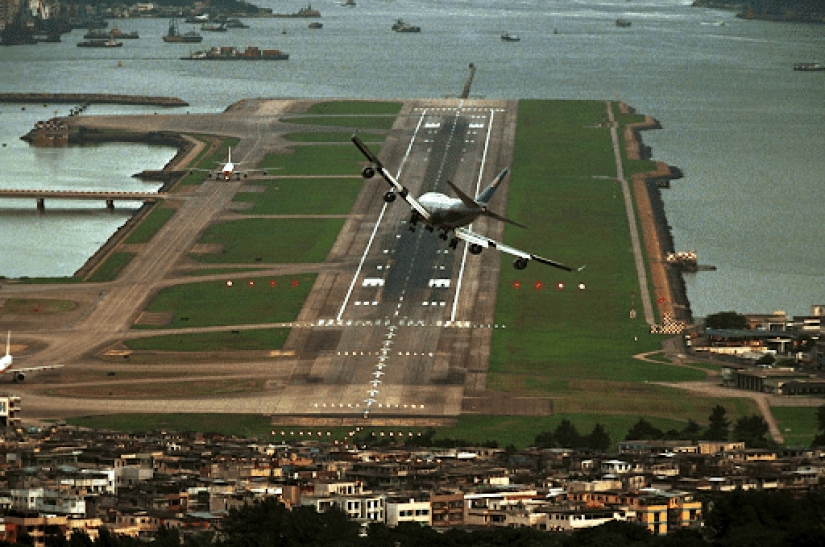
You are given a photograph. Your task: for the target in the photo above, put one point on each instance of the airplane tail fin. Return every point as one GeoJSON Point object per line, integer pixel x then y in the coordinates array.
{"type": "Point", "coordinates": [483, 199]}
{"type": "Point", "coordinates": [8, 344]}
{"type": "Point", "coordinates": [229, 155]}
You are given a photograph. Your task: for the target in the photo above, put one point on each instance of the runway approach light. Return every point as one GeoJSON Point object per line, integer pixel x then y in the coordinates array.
{"type": "Point", "coordinates": [581, 286]}
{"type": "Point", "coordinates": [251, 283]}
{"type": "Point", "coordinates": [228, 282]}
{"type": "Point", "coordinates": [560, 286]}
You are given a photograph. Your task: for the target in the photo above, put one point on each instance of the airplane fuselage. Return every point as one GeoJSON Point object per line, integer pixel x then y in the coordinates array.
{"type": "Point", "coordinates": [447, 212]}
{"type": "Point", "coordinates": [227, 171]}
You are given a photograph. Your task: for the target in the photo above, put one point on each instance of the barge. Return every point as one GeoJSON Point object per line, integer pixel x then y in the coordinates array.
{"type": "Point", "coordinates": [227, 53]}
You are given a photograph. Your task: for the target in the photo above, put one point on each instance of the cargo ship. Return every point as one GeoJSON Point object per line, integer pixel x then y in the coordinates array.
{"type": "Point", "coordinates": [174, 35]}
{"type": "Point", "coordinates": [116, 33]}
{"type": "Point", "coordinates": [100, 43]}
{"type": "Point", "coordinates": [228, 53]}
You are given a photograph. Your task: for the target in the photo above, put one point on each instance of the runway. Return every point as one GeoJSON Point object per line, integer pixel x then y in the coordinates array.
{"type": "Point", "coordinates": [409, 330]}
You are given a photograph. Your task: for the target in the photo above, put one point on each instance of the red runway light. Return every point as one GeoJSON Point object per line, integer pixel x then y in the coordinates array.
{"type": "Point", "coordinates": [516, 284]}
{"type": "Point", "coordinates": [251, 283]}
{"type": "Point", "coordinates": [294, 282]}
{"type": "Point", "coordinates": [538, 285]}
{"type": "Point", "coordinates": [273, 283]}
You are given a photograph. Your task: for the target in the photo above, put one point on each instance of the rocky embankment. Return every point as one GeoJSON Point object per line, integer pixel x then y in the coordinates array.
{"type": "Point", "coordinates": [91, 98]}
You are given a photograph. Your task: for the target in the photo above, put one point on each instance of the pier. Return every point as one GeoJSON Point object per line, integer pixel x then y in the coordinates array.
{"type": "Point", "coordinates": [109, 197]}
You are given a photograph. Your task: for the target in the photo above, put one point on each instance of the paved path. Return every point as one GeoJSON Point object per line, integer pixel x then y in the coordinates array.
{"type": "Point", "coordinates": [644, 293]}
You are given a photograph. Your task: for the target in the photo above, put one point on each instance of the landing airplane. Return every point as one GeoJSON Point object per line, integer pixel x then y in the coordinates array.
{"type": "Point", "coordinates": [19, 374]}
{"type": "Point", "coordinates": [450, 215]}
{"type": "Point", "coordinates": [229, 170]}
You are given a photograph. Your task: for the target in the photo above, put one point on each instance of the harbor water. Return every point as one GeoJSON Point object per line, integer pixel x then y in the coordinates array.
{"type": "Point", "coordinates": [745, 128]}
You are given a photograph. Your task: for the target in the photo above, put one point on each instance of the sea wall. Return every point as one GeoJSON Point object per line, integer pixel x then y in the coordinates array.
{"type": "Point", "coordinates": [91, 98]}
{"type": "Point", "coordinates": [668, 282]}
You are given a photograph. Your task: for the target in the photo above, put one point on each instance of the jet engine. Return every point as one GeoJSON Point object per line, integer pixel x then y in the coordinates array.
{"type": "Point", "coordinates": [389, 197]}
{"type": "Point", "coordinates": [368, 172]}
{"type": "Point", "coordinates": [520, 263]}
{"type": "Point", "coordinates": [475, 248]}
{"type": "Point", "coordinates": [19, 377]}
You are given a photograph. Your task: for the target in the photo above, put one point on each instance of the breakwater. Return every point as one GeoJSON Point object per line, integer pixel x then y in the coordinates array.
{"type": "Point", "coordinates": [92, 98]}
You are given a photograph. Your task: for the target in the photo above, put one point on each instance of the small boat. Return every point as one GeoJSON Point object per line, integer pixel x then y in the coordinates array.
{"type": "Point", "coordinates": [236, 23]}
{"type": "Point", "coordinates": [214, 27]}
{"type": "Point", "coordinates": [401, 26]}
{"type": "Point", "coordinates": [809, 67]}
{"type": "Point", "coordinates": [620, 22]}
{"type": "Point", "coordinates": [316, 25]}
{"type": "Point", "coordinates": [507, 37]}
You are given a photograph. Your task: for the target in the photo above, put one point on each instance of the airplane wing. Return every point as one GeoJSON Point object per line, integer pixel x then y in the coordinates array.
{"type": "Point", "coordinates": [397, 186]}
{"type": "Point", "coordinates": [476, 239]}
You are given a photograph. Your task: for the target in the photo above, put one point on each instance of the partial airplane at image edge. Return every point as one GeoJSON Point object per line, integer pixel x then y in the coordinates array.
{"type": "Point", "coordinates": [229, 169]}
{"type": "Point", "coordinates": [450, 215]}
{"type": "Point", "coordinates": [19, 374]}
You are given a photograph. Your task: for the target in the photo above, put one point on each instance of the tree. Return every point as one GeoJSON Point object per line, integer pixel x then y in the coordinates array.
{"type": "Point", "coordinates": [819, 440]}
{"type": "Point", "coordinates": [718, 425]}
{"type": "Point", "coordinates": [644, 431]}
{"type": "Point", "coordinates": [692, 431]}
{"type": "Point", "coordinates": [545, 440]}
{"type": "Point", "coordinates": [567, 435]}
{"type": "Point", "coordinates": [598, 439]}
{"type": "Point", "coordinates": [753, 430]}
{"type": "Point", "coordinates": [726, 320]}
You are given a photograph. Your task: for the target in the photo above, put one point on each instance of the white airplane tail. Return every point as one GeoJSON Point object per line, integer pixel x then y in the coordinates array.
{"type": "Point", "coordinates": [5, 361]}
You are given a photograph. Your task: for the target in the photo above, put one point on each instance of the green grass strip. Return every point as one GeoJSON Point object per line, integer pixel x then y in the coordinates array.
{"type": "Point", "coordinates": [355, 107]}
{"type": "Point", "coordinates": [111, 267]}
{"type": "Point", "coordinates": [333, 159]}
{"type": "Point", "coordinates": [302, 196]}
{"type": "Point", "coordinates": [247, 301]}
{"type": "Point", "coordinates": [262, 240]}
{"type": "Point", "coordinates": [240, 340]}
{"type": "Point", "coordinates": [150, 225]}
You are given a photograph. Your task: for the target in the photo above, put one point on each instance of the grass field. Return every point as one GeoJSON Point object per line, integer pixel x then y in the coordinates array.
{"type": "Point", "coordinates": [271, 240]}
{"type": "Point", "coordinates": [39, 306]}
{"type": "Point", "coordinates": [111, 267]}
{"type": "Point", "coordinates": [302, 196]}
{"type": "Point", "coordinates": [797, 424]}
{"type": "Point", "coordinates": [332, 136]}
{"type": "Point", "coordinates": [150, 225]}
{"type": "Point", "coordinates": [577, 346]}
{"type": "Point", "coordinates": [322, 159]}
{"type": "Point", "coordinates": [355, 108]}
{"type": "Point", "coordinates": [248, 301]}
{"type": "Point", "coordinates": [249, 340]}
